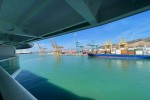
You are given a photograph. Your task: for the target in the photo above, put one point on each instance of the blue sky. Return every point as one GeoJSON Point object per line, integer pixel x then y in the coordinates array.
{"type": "Point", "coordinates": [134, 27]}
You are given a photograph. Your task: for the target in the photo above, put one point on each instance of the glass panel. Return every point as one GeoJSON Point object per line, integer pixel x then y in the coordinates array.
{"type": "Point", "coordinates": [10, 65]}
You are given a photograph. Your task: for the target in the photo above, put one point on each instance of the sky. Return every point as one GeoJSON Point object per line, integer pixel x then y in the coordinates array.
{"type": "Point", "coordinates": [130, 28]}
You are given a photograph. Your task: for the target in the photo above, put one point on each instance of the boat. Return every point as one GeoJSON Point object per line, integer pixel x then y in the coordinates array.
{"type": "Point", "coordinates": [118, 56]}
{"type": "Point", "coordinates": [122, 51]}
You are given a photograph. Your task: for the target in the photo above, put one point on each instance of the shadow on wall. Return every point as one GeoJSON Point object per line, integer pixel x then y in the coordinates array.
{"type": "Point", "coordinates": [40, 88]}
{"type": "Point", "coordinates": [0, 97]}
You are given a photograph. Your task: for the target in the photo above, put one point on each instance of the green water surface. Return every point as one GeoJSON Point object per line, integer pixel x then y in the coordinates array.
{"type": "Point", "coordinates": [99, 79]}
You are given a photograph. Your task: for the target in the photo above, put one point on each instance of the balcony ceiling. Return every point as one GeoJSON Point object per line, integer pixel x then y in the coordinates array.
{"type": "Point", "coordinates": [24, 21]}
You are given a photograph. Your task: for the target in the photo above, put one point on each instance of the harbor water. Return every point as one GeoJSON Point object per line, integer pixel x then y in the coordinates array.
{"type": "Point", "coordinates": [50, 77]}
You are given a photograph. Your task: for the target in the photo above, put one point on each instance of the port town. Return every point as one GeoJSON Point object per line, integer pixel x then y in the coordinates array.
{"type": "Point", "coordinates": [139, 48]}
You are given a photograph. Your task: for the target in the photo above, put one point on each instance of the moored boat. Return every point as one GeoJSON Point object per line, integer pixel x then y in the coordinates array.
{"type": "Point", "coordinates": [126, 56]}
{"type": "Point", "coordinates": [122, 51]}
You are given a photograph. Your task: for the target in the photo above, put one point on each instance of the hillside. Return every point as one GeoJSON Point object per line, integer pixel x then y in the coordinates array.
{"type": "Point", "coordinates": [142, 39]}
{"type": "Point", "coordinates": [139, 42]}
{"type": "Point", "coordinates": [135, 43]}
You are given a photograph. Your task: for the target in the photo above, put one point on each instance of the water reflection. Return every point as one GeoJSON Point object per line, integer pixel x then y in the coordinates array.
{"type": "Point", "coordinates": [125, 63]}
{"type": "Point", "coordinates": [122, 63]}
{"type": "Point", "coordinates": [108, 63]}
{"type": "Point", "coordinates": [42, 58]}
{"type": "Point", "coordinates": [57, 58]}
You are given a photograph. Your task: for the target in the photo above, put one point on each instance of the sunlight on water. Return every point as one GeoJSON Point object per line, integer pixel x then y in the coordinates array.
{"type": "Point", "coordinates": [98, 79]}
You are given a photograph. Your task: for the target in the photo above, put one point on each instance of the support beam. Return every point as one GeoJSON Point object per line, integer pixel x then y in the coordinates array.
{"type": "Point", "coordinates": [80, 7]}
{"type": "Point", "coordinates": [36, 7]}
{"type": "Point", "coordinates": [41, 36]}
{"type": "Point", "coordinates": [15, 33]}
{"type": "Point", "coordinates": [9, 28]}
{"type": "Point", "coordinates": [94, 5]}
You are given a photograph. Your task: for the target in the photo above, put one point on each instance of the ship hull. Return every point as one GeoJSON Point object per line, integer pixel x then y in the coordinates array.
{"type": "Point", "coordinates": [120, 56]}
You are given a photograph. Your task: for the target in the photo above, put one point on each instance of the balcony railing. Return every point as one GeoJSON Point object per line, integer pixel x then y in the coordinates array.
{"type": "Point", "coordinates": [10, 64]}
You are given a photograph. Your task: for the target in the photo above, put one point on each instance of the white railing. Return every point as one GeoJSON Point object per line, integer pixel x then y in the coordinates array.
{"type": "Point", "coordinates": [10, 64]}
{"type": "Point", "coordinates": [10, 89]}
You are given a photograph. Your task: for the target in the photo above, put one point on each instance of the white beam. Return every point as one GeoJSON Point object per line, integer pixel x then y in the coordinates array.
{"type": "Point", "coordinates": [80, 7]}
{"type": "Point", "coordinates": [41, 36]}
{"type": "Point", "coordinates": [11, 90]}
{"type": "Point", "coordinates": [15, 33]}
{"type": "Point", "coordinates": [37, 7]}
{"type": "Point", "coordinates": [9, 28]}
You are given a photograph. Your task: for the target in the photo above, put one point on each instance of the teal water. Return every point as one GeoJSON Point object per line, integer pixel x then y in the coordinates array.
{"type": "Point", "coordinates": [94, 78]}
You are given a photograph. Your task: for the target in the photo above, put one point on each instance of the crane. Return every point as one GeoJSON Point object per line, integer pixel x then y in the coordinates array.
{"type": "Point", "coordinates": [123, 44]}
{"type": "Point", "coordinates": [57, 49]}
{"type": "Point", "coordinates": [108, 45]}
{"type": "Point", "coordinates": [79, 47]}
{"type": "Point", "coordinates": [93, 46]}
{"type": "Point", "coordinates": [42, 50]}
